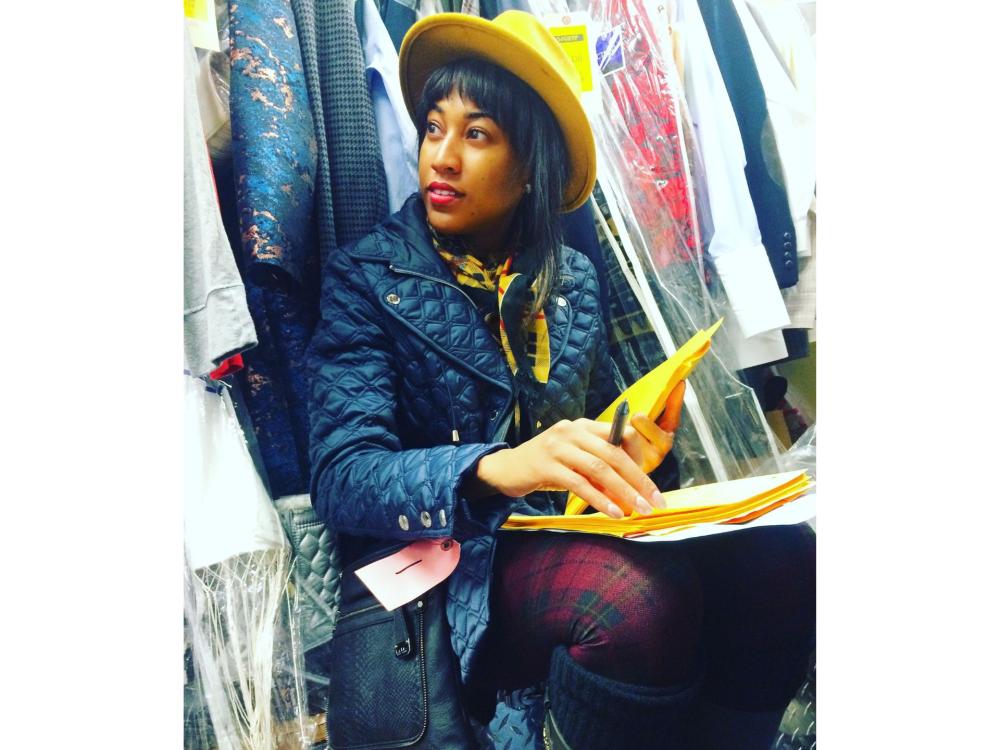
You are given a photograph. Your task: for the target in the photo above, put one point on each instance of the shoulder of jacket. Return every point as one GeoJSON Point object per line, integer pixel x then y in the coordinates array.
{"type": "Point", "coordinates": [377, 245]}
{"type": "Point", "coordinates": [576, 271]}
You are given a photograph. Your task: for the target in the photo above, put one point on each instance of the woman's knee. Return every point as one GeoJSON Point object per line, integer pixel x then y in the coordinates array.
{"type": "Point", "coordinates": [643, 623]}
{"type": "Point", "coordinates": [759, 583]}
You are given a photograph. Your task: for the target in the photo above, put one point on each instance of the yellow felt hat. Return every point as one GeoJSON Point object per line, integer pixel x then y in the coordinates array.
{"type": "Point", "coordinates": [517, 42]}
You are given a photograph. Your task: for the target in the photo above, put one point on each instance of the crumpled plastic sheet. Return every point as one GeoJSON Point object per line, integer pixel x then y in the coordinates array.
{"type": "Point", "coordinates": [225, 668]}
{"type": "Point", "coordinates": [801, 456]}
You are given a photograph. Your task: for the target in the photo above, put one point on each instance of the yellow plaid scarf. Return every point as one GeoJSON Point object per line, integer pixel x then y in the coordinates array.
{"type": "Point", "coordinates": [470, 272]}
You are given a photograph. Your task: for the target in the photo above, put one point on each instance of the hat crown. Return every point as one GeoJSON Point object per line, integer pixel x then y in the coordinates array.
{"type": "Point", "coordinates": [530, 30]}
{"type": "Point", "coordinates": [517, 42]}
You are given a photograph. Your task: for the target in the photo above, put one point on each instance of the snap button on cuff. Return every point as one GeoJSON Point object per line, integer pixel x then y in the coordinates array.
{"type": "Point", "coordinates": [425, 519]}
{"type": "Point", "coordinates": [443, 518]}
{"type": "Point", "coordinates": [392, 298]}
{"type": "Point", "coordinates": [561, 301]}
{"type": "Point", "coordinates": [404, 523]}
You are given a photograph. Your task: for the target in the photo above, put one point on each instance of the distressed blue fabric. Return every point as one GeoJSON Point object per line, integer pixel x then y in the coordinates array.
{"type": "Point", "coordinates": [274, 146]}
{"type": "Point", "coordinates": [274, 171]}
{"type": "Point", "coordinates": [400, 361]}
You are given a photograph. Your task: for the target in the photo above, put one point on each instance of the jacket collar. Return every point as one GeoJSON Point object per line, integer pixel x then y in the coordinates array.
{"type": "Point", "coordinates": [403, 243]}
{"type": "Point", "coordinates": [415, 252]}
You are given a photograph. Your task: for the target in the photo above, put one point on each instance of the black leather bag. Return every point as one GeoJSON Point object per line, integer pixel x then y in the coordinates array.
{"type": "Point", "coordinates": [393, 675]}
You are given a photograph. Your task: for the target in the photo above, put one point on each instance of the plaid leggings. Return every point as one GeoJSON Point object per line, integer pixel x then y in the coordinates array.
{"type": "Point", "coordinates": [739, 606]}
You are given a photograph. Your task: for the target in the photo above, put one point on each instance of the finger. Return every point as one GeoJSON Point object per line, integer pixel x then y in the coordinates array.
{"type": "Point", "coordinates": [610, 467]}
{"type": "Point", "coordinates": [671, 418]}
{"type": "Point", "coordinates": [600, 429]}
{"type": "Point", "coordinates": [638, 448]}
{"type": "Point", "coordinates": [661, 440]}
{"type": "Point", "coordinates": [579, 484]}
{"type": "Point", "coordinates": [631, 469]}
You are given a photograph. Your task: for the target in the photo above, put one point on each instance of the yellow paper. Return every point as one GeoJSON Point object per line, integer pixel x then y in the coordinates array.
{"type": "Point", "coordinates": [720, 493]}
{"type": "Point", "coordinates": [648, 395]}
{"type": "Point", "coordinates": [718, 503]}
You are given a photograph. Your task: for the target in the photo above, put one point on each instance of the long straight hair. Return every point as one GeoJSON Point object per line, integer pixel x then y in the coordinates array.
{"type": "Point", "coordinates": [538, 143]}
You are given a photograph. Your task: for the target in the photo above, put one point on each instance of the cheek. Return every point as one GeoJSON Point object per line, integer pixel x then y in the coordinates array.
{"type": "Point", "coordinates": [423, 162]}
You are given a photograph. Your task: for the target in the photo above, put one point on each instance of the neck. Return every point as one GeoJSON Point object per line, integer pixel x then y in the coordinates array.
{"type": "Point", "coordinates": [492, 247]}
{"type": "Point", "coordinates": [488, 249]}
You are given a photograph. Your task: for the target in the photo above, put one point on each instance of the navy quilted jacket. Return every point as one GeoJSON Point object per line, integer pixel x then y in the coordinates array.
{"type": "Point", "coordinates": [410, 390]}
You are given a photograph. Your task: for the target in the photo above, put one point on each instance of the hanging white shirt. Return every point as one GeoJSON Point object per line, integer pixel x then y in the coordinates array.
{"type": "Point", "coordinates": [397, 136]}
{"type": "Point", "coordinates": [735, 247]}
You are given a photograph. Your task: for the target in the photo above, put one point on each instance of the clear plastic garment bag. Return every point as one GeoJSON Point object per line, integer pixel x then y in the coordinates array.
{"type": "Point", "coordinates": [645, 178]}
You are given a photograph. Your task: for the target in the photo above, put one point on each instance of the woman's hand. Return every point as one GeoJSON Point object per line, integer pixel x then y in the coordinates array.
{"type": "Point", "coordinates": [651, 441]}
{"type": "Point", "coordinates": [577, 456]}
{"type": "Point", "coordinates": [574, 456]}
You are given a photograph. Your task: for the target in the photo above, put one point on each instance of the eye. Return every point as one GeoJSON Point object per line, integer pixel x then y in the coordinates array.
{"type": "Point", "coordinates": [477, 134]}
{"type": "Point", "coordinates": [432, 127]}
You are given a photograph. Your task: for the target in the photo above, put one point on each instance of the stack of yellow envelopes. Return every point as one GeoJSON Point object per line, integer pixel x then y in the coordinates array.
{"type": "Point", "coordinates": [648, 395]}
{"type": "Point", "coordinates": [734, 502]}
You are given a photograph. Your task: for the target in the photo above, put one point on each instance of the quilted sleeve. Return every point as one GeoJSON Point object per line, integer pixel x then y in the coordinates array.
{"type": "Point", "coordinates": [363, 481]}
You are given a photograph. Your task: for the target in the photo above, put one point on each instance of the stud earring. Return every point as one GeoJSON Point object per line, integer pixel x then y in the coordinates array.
{"type": "Point", "coordinates": [527, 187]}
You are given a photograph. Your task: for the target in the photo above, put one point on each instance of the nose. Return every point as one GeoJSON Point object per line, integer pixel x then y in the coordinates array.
{"type": "Point", "coordinates": [446, 156]}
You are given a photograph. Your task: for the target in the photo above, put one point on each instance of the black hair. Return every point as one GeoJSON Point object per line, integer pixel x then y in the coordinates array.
{"type": "Point", "coordinates": [538, 144]}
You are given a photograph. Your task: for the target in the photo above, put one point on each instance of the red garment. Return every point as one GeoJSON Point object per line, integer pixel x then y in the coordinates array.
{"type": "Point", "coordinates": [228, 367]}
{"type": "Point", "coordinates": [655, 175]}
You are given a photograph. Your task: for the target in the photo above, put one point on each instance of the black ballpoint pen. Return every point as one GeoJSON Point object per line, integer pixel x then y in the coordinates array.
{"type": "Point", "coordinates": [618, 423]}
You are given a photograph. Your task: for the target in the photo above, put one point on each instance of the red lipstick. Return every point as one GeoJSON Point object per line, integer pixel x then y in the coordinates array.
{"type": "Point", "coordinates": [442, 194]}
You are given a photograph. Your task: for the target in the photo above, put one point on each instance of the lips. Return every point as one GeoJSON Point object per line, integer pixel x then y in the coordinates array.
{"type": "Point", "coordinates": [442, 194]}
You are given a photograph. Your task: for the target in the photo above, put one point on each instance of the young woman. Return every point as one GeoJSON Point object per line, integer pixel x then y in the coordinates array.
{"type": "Point", "coordinates": [456, 370]}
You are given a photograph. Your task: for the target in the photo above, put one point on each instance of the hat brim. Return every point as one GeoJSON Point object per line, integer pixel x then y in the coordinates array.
{"type": "Point", "coordinates": [438, 39]}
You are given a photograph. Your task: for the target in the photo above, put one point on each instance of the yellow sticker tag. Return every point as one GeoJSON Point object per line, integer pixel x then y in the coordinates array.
{"type": "Point", "coordinates": [197, 9]}
{"type": "Point", "coordinates": [576, 45]}
{"type": "Point", "coordinates": [200, 18]}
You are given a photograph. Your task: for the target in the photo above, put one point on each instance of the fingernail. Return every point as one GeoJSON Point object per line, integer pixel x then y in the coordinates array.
{"type": "Point", "coordinates": [642, 506]}
{"type": "Point", "coordinates": [615, 512]}
{"type": "Point", "coordinates": [659, 501]}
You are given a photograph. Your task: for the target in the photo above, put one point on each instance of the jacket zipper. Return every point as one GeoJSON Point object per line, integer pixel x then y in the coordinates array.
{"type": "Point", "coordinates": [505, 424]}
{"type": "Point", "coordinates": [423, 665]}
{"type": "Point", "coordinates": [348, 615]}
{"type": "Point", "coordinates": [456, 287]}
{"type": "Point", "coordinates": [500, 433]}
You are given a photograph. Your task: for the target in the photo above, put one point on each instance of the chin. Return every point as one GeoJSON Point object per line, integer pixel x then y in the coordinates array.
{"type": "Point", "coordinates": [444, 223]}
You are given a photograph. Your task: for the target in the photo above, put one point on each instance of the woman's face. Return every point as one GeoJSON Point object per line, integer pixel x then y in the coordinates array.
{"type": "Point", "coordinates": [470, 178]}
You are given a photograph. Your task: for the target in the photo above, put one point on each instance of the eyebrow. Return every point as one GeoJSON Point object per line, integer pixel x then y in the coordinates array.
{"type": "Point", "coordinates": [474, 115]}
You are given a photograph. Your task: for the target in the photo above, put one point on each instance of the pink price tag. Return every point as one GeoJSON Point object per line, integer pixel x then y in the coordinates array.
{"type": "Point", "coordinates": [414, 570]}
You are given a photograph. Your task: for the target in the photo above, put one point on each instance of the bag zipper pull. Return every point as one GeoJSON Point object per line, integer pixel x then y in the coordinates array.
{"type": "Point", "coordinates": [403, 647]}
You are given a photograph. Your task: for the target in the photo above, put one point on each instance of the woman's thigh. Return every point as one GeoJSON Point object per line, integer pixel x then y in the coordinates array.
{"type": "Point", "coordinates": [622, 609]}
{"type": "Point", "coordinates": [759, 589]}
